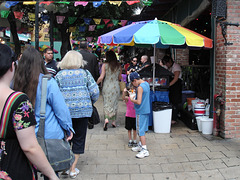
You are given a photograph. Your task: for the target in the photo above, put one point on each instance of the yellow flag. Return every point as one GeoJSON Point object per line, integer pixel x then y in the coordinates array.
{"type": "Point", "coordinates": [31, 16]}
{"type": "Point", "coordinates": [116, 2]}
{"type": "Point", "coordinates": [29, 2]}
{"type": "Point", "coordinates": [97, 21]}
{"type": "Point", "coordinates": [72, 29]}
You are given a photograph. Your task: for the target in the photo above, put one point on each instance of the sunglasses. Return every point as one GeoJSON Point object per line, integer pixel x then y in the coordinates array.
{"type": "Point", "coordinates": [134, 61]}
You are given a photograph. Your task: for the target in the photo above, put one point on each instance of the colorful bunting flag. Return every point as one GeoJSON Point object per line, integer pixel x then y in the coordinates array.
{"type": "Point", "coordinates": [45, 17]}
{"type": "Point", "coordinates": [123, 22]}
{"type": "Point", "coordinates": [83, 3]}
{"type": "Point", "coordinates": [106, 20]}
{"type": "Point", "coordinates": [97, 3]}
{"type": "Point", "coordinates": [4, 14]}
{"type": "Point", "coordinates": [110, 25]}
{"type": "Point", "coordinates": [89, 39]}
{"type": "Point", "coordinates": [87, 20]}
{"type": "Point", "coordinates": [91, 27]}
{"type": "Point", "coordinates": [115, 22]}
{"type": "Point", "coordinates": [46, 2]}
{"type": "Point", "coordinates": [62, 2]}
{"type": "Point", "coordinates": [8, 4]}
{"type": "Point", "coordinates": [97, 21]}
{"type": "Point", "coordinates": [60, 19]}
{"type": "Point", "coordinates": [29, 2]}
{"type": "Point", "coordinates": [31, 16]}
{"type": "Point", "coordinates": [18, 15]}
{"type": "Point", "coordinates": [82, 28]}
{"type": "Point", "coordinates": [100, 26]}
{"type": "Point", "coordinates": [115, 2]}
{"type": "Point", "coordinates": [72, 29]}
{"type": "Point", "coordinates": [71, 20]}
{"type": "Point", "coordinates": [147, 2]}
{"type": "Point", "coordinates": [132, 2]}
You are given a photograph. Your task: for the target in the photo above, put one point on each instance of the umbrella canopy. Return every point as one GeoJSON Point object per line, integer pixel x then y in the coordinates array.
{"type": "Point", "coordinates": [161, 33]}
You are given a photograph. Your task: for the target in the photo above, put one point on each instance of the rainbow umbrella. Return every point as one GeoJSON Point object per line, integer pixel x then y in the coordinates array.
{"type": "Point", "coordinates": [161, 34]}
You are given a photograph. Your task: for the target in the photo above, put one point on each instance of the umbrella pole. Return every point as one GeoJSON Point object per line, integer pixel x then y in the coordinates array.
{"type": "Point", "coordinates": [154, 67]}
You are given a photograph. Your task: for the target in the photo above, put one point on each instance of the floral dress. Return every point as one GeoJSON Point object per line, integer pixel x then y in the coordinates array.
{"type": "Point", "coordinates": [13, 159]}
{"type": "Point", "coordinates": [110, 92]}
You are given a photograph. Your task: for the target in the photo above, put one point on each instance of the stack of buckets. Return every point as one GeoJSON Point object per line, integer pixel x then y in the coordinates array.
{"type": "Point", "coordinates": [204, 123]}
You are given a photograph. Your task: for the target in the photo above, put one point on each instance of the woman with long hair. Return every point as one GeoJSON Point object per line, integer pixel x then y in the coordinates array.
{"type": "Point", "coordinates": [28, 79]}
{"type": "Point", "coordinates": [80, 92]}
{"type": "Point", "coordinates": [20, 151]}
{"type": "Point", "coordinates": [111, 74]}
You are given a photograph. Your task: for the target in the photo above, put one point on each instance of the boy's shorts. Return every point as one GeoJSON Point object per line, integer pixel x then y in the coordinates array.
{"type": "Point", "coordinates": [130, 123]}
{"type": "Point", "coordinates": [142, 123]}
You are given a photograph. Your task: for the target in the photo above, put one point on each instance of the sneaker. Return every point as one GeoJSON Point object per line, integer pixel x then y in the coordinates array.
{"type": "Point", "coordinates": [130, 144]}
{"type": "Point", "coordinates": [142, 154]}
{"type": "Point", "coordinates": [138, 148]}
{"type": "Point", "coordinates": [134, 144]}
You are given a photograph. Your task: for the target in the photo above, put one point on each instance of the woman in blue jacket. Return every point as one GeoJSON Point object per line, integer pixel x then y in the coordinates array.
{"type": "Point", "coordinates": [28, 78]}
{"type": "Point", "coordinates": [80, 92]}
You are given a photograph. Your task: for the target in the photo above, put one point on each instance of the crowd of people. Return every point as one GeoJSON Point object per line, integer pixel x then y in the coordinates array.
{"type": "Point", "coordinates": [71, 92]}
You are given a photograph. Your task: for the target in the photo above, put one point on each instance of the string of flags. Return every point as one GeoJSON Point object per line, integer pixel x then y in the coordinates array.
{"type": "Point", "coordinates": [87, 21]}
{"type": "Point", "coordinates": [95, 4]}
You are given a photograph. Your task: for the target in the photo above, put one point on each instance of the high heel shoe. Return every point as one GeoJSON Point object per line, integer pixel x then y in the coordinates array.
{"type": "Point", "coordinates": [114, 125]}
{"type": "Point", "coordinates": [105, 127]}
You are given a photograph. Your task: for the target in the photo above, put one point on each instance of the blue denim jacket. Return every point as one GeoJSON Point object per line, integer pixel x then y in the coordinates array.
{"type": "Point", "coordinates": [57, 114]}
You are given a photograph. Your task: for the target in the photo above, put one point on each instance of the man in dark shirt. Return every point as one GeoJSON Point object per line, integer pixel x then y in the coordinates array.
{"type": "Point", "coordinates": [133, 66]}
{"type": "Point", "coordinates": [92, 63]}
{"type": "Point", "coordinates": [49, 62]}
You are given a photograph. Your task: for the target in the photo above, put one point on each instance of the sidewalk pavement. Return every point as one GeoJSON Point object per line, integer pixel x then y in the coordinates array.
{"type": "Point", "coordinates": [181, 154]}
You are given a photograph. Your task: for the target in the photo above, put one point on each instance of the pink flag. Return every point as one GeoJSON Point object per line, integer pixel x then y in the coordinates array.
{"type": "Point", "coordinates": [83, 3]}
{"type": "Point", "coordinates": [123, 22]}
{"type": "Point", "coordinates": [89, 39]}
{"type": "Point", "coordinates": [60, 19]}
{"type": "Point", "coordinates": [91, 27]}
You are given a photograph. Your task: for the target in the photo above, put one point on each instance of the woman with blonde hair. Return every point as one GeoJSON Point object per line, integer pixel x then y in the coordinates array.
{"type": "Point", "coordinates": [80, 92]}
{"type": "Point", "coordinates": [111, 74]}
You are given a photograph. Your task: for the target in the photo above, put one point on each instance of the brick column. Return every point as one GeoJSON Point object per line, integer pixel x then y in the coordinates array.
{"type": "Point", "coordinates": [227, 77]}
{"type": "Point", "coordinates": [182, 57]}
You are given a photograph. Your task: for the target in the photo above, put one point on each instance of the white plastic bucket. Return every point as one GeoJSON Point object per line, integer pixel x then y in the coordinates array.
{"type": "Point", "coordinates": [199, 122]}
{"type": "Point", "coordinates": [207, 125]}
{"type": "Point", "coordinates": [162, 121]}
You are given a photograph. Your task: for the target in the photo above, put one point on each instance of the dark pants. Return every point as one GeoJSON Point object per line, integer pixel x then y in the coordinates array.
{"type": "Point", "coordinates": [78, 141]}
{"type": "Point", "coordinates": [175, 97]}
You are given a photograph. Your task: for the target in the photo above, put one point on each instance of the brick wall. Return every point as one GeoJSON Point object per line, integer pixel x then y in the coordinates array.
{"type": "Point", "coordinates": [182, 57]}
{"type": "Point", "coordinates": [227, 72]}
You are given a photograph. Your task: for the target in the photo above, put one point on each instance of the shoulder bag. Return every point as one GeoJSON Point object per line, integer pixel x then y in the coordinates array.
{"type": "Point", "coordinates": [4, 120]}
{"type": "Point", "coordinates": [57, 151]}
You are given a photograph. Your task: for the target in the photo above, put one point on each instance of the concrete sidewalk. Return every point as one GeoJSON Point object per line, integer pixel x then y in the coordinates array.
{"type": "Point", "coordinates": [182, 154]}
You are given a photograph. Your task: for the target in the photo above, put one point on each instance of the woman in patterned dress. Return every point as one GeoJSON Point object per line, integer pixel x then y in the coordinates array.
{"type": "Point", "coordinates": [111, 74]}
{"type": "Point", "coordinates": [20, 151]}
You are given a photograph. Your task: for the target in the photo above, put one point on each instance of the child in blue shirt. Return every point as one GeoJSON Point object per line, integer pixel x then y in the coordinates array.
{"type": "Point", "coordinates": [142, 107]}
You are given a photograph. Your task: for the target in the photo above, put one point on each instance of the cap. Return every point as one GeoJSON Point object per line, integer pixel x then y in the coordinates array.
{"type": "Point", "coordinates": [134, 75]}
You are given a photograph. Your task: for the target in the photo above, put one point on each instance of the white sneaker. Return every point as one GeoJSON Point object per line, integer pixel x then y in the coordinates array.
{"type": "Point", "coordinates": [137, 148]}
{"type": "Point", "coordinates": [143, 153]}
